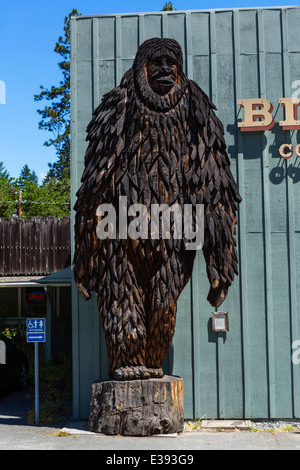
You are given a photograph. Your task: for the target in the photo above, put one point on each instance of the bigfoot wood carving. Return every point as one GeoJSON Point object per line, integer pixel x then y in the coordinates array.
{"type": "Point", "coordinates": [154, 139]}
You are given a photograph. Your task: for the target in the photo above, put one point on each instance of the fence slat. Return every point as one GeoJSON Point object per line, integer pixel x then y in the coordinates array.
{"type": "Point", "coordinates": [36, 246]}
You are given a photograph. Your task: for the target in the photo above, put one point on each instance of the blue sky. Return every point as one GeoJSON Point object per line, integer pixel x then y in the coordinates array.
{"type": "Point", "coordinates": [28, 33]}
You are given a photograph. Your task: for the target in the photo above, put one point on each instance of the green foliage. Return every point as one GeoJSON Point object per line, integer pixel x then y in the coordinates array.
{"type": "Point", "coordinates": [56, 117]}
{"type": "Point", "coordinates": [45, 201]}
{"type": "Point", "coordinates": [8, 193]}
{"type": "Point", "coordinates": [55, 384]}
{"type": "Point", "coordinates": [16, 335]}
{"type": "Point", "coordinates": [27, 177]}
{"type": "Point", "coordinates": [10, 333]}
{"type": "Point", "coordinates": [51, 198]}
{"type": "Point", "coordinates": [4, 173]}
{"type": "Point", "coordinates": [168, 6]}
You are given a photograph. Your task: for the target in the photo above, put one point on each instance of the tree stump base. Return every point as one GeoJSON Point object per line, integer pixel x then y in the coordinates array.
{"type": "Point", "coordinates": [137, 407]}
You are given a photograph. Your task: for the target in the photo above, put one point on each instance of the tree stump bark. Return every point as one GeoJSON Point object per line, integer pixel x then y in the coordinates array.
{"type": "Point", "coordinates": [137, 407]}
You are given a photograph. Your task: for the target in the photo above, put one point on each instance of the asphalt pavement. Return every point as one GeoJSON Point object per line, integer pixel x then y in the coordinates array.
{"type": "Point", "coordinates": [16, 434]}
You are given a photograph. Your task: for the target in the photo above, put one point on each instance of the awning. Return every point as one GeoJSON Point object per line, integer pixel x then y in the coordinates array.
{"type": "Point", "coordinates": [60, 278]}
{"type": "Point", "coordinates": [19, 281]}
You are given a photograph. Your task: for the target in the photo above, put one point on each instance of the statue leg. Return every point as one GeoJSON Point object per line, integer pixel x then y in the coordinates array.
{"type": "Point", "coordinates": [160, 333]}
{"type": "Point", "coordinates": [121, 306]}
{"type": "Point", "coordinates": [165, 288]}
{"type": "Point", "coordinates": [161, 317]}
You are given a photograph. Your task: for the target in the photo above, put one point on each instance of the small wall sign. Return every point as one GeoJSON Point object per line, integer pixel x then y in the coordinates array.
{"type": "Point", "coordinates": [220, 322]}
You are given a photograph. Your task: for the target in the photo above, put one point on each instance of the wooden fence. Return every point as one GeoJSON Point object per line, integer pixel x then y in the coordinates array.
{"type": "Point", "coordinates": [34, 247]}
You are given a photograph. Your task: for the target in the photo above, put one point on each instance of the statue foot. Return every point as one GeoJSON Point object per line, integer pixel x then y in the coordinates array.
{"type": "Point", "coordinates": [156, 373]}
{"type": "Point", "coordinates": [131, 373]}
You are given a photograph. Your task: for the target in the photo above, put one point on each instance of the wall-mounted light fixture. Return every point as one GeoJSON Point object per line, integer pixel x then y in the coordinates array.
{"type": "Point", "coordinates": [220, 322]}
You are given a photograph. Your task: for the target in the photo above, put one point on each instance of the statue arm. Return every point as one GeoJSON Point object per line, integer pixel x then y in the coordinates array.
{"type": "Point", "coordinates": [105, 134]}
{"type": "Point", "coordinates": [216, 188]}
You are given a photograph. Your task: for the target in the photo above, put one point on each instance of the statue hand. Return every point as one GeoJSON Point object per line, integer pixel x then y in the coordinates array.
{"type": "Point", "coordinates": [216, 296]}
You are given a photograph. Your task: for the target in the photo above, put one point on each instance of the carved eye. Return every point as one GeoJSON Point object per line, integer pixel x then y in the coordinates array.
{"type": "Point", "coordinates": [157, 62]}
{"type": "Point", "coordinates": [171, 62]}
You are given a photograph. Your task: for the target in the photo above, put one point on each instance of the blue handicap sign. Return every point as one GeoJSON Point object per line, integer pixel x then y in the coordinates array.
{"type": "Point", "coordinates": [36, 330]}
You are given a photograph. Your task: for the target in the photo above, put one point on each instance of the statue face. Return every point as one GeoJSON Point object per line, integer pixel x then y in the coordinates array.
{"type": "Point", "coordinates": [161, 73]}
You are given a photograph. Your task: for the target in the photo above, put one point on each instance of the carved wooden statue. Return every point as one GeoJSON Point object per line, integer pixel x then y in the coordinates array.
{"type": "Point", "coordinates": [154, 139]}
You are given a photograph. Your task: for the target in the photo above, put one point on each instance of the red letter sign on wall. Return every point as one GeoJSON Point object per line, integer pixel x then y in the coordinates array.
{"type": "Point", "coordinates": [257, 115]}
{"type": "Point", "coordinates": [291, 110]}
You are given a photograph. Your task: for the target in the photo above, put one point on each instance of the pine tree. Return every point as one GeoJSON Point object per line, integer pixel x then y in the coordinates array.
{"type": "Point", "coordinates": [26, 178]}
{"type": "Point", "coordinates": [168, 6]}
{"type": "Point", "coordinates": [56, 117]}
{"type": "Point", "coordinates": [8, 193]}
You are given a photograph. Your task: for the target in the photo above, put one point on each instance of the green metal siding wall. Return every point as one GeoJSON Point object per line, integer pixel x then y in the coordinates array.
{"type": "Point", "coordinates": [231, 54]}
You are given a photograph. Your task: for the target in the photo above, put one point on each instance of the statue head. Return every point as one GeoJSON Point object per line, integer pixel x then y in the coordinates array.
{"type": "Point", "coordinates": [158, 73]}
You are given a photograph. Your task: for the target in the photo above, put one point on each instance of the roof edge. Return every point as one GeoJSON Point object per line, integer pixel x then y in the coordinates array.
{"type": "Point", "coordinates": [142, 13]}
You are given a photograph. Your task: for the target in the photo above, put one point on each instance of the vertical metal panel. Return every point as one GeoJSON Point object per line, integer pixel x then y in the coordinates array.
{"type": "Point", "coordinates": [241, 220]}
{"type": "Point", "coordinates": [180, 360]}
{"type": "Point", "coordinates": [291, 236]}
{"type": "Point", "coordinates": [74, 124]}
{"type": "Point", "coordinates": [267, 223]}
{"type": "Point", "coordinates": [247, 53]}
{"type": "Point", "coordinates": [189, 46]}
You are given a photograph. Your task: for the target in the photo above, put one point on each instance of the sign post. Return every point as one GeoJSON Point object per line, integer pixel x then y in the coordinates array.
{"type": "Point", "coordinates": [36, 333]}
{"type": "Point", "coordinates": [36, 382]}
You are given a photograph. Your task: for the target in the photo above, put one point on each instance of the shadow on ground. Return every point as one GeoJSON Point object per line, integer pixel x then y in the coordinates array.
{"type": "Point", "coordinates": [15, 405]}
